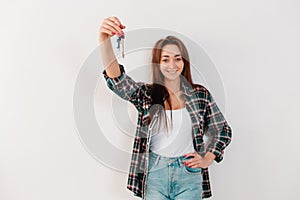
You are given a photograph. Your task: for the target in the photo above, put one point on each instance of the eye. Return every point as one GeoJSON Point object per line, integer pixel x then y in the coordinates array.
{"type": "Point", "coordinates": [178, 59]}
{"type": "Point", "coordinates": [164, 60]}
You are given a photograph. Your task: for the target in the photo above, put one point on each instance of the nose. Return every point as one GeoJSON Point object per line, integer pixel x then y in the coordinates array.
{"type": "Point", "coordinates": [172, 65]}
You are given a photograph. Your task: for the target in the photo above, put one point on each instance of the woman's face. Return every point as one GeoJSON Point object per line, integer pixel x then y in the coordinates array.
{"type": "Point", "coordinates": [171, 62]}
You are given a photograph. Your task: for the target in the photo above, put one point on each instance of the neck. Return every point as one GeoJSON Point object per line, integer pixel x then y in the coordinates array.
{"type": "Point", "coordinates": [172, 85]}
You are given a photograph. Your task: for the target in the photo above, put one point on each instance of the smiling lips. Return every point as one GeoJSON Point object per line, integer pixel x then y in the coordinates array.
{"type": "Point", "coordinates": [172, 71]}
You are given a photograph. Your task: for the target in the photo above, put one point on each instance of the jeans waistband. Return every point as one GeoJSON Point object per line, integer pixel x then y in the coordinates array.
{"type": "Point", "coordinates": [168, 160]}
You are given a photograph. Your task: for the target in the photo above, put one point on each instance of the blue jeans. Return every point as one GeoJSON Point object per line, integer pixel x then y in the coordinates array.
{"type": "Point", "coordinates": [168, 178]}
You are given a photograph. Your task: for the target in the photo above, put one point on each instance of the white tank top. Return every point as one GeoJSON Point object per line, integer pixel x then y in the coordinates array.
{"type": "Point", "coordinates": [178, 140]}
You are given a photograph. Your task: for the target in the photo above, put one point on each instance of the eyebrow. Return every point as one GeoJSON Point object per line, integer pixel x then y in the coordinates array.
{"type": "Point", "coordinates": [169, 56]}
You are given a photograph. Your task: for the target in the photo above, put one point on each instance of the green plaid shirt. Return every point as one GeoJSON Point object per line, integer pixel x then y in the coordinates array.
{"type": "Point", "coordinates": [206, 119]}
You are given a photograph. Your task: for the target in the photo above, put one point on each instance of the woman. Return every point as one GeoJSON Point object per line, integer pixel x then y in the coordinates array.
{"type": "Point", "coordinates": [169, 158]}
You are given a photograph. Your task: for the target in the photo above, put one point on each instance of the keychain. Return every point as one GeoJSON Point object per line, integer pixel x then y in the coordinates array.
{"type": "Point", "coordinates": [120, 42]}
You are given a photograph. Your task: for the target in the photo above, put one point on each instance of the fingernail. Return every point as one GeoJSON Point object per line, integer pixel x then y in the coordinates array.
{"type": "Point", "coordinates": [122, 26]}
{"type": "Point", "coordinates": [113, 33]}
{"type": "Point", "coordinates": [121, 33]}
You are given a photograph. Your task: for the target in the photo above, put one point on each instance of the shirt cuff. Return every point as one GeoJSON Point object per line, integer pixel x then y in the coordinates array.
{"type": "Point", "coordinates": [111, 82]}
{"type": "Point", "coordinates": [218, 154]}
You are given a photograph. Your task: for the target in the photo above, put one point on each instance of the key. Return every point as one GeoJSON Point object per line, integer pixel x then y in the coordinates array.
{"type": "Point", "coordinates": [120, 42]}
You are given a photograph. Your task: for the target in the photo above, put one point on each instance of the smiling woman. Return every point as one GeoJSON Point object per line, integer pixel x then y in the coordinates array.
{"type": "Point", "coordinates": [171, 63]}
{"type": "Point", "coordinates": [170, 161]}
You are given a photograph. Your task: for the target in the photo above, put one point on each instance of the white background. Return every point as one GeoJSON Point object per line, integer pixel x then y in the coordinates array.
{"type": "Point", "coordinates": [255, 46]}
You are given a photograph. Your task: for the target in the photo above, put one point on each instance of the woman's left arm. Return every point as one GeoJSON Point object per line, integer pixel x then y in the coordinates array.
{"type": "Point", "coordinates": [219, 133]}
{"type": "Point", "coordinates": [217, 128]}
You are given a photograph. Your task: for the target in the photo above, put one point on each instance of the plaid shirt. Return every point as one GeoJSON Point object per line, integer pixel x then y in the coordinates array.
{"type": "Point", "coordinates": [206, 119]}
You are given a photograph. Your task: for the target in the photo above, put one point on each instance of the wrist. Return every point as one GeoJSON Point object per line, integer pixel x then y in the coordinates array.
{"type": "Point", "coordinates": [210, 156]}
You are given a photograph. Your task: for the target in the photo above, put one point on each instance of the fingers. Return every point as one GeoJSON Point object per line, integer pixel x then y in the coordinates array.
{"type": "Point", "coordinates": [115, 24]}
{"type": "Point", "coordinates": [107, 31]}
{"type": "Point", "coordinates": [109, 27]}
{"type": "Point", "coordinates": [115, 20]}
{"type": "Point", "coordinates": [195, 160]}
{"type": "Point", "coordinates": [112, 26]}
{"type": "Point", "coordinates": [193, 164]}
{"type": "Point", "coordinates": [192, 160]}
{"type": "Point", "coordinates": [191, 154]}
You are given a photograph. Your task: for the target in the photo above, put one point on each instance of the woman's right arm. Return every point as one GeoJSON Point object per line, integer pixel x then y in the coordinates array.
{"type": "Point", "coordinates": [114, 73]}
{"type": "Point", "coordinates": [111, 26]}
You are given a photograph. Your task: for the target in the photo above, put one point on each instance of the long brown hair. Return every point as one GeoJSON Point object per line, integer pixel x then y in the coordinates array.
{"type": "Point", "coordinates": [159, 92]}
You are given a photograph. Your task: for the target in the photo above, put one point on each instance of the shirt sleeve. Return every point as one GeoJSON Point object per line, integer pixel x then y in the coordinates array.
{"type": "Point", "coordinates": [217, 128]}
{"type": "Point", "coordinates": [126, 88]}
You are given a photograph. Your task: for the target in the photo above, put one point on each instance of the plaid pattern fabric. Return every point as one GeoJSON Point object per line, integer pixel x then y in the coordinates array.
{"type": "Point", "coordinates": [206, 119]}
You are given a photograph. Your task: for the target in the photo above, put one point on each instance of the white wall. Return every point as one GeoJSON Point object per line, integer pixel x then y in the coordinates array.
{"type": "Point", "coordinates": [253, 44]}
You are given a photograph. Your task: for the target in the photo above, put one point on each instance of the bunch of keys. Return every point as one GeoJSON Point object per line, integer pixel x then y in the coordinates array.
{"type": "Point", "coordinates": [120, 42]}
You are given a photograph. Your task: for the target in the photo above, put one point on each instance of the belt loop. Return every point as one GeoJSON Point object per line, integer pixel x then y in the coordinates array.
{"type": "Point", "coordinates": [157, 159]}
{"type": "Point", "coordinates": [180, 160]}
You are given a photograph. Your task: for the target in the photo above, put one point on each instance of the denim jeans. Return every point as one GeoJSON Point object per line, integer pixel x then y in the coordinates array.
{"type": "Point", "coordinates": [169, 179]}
